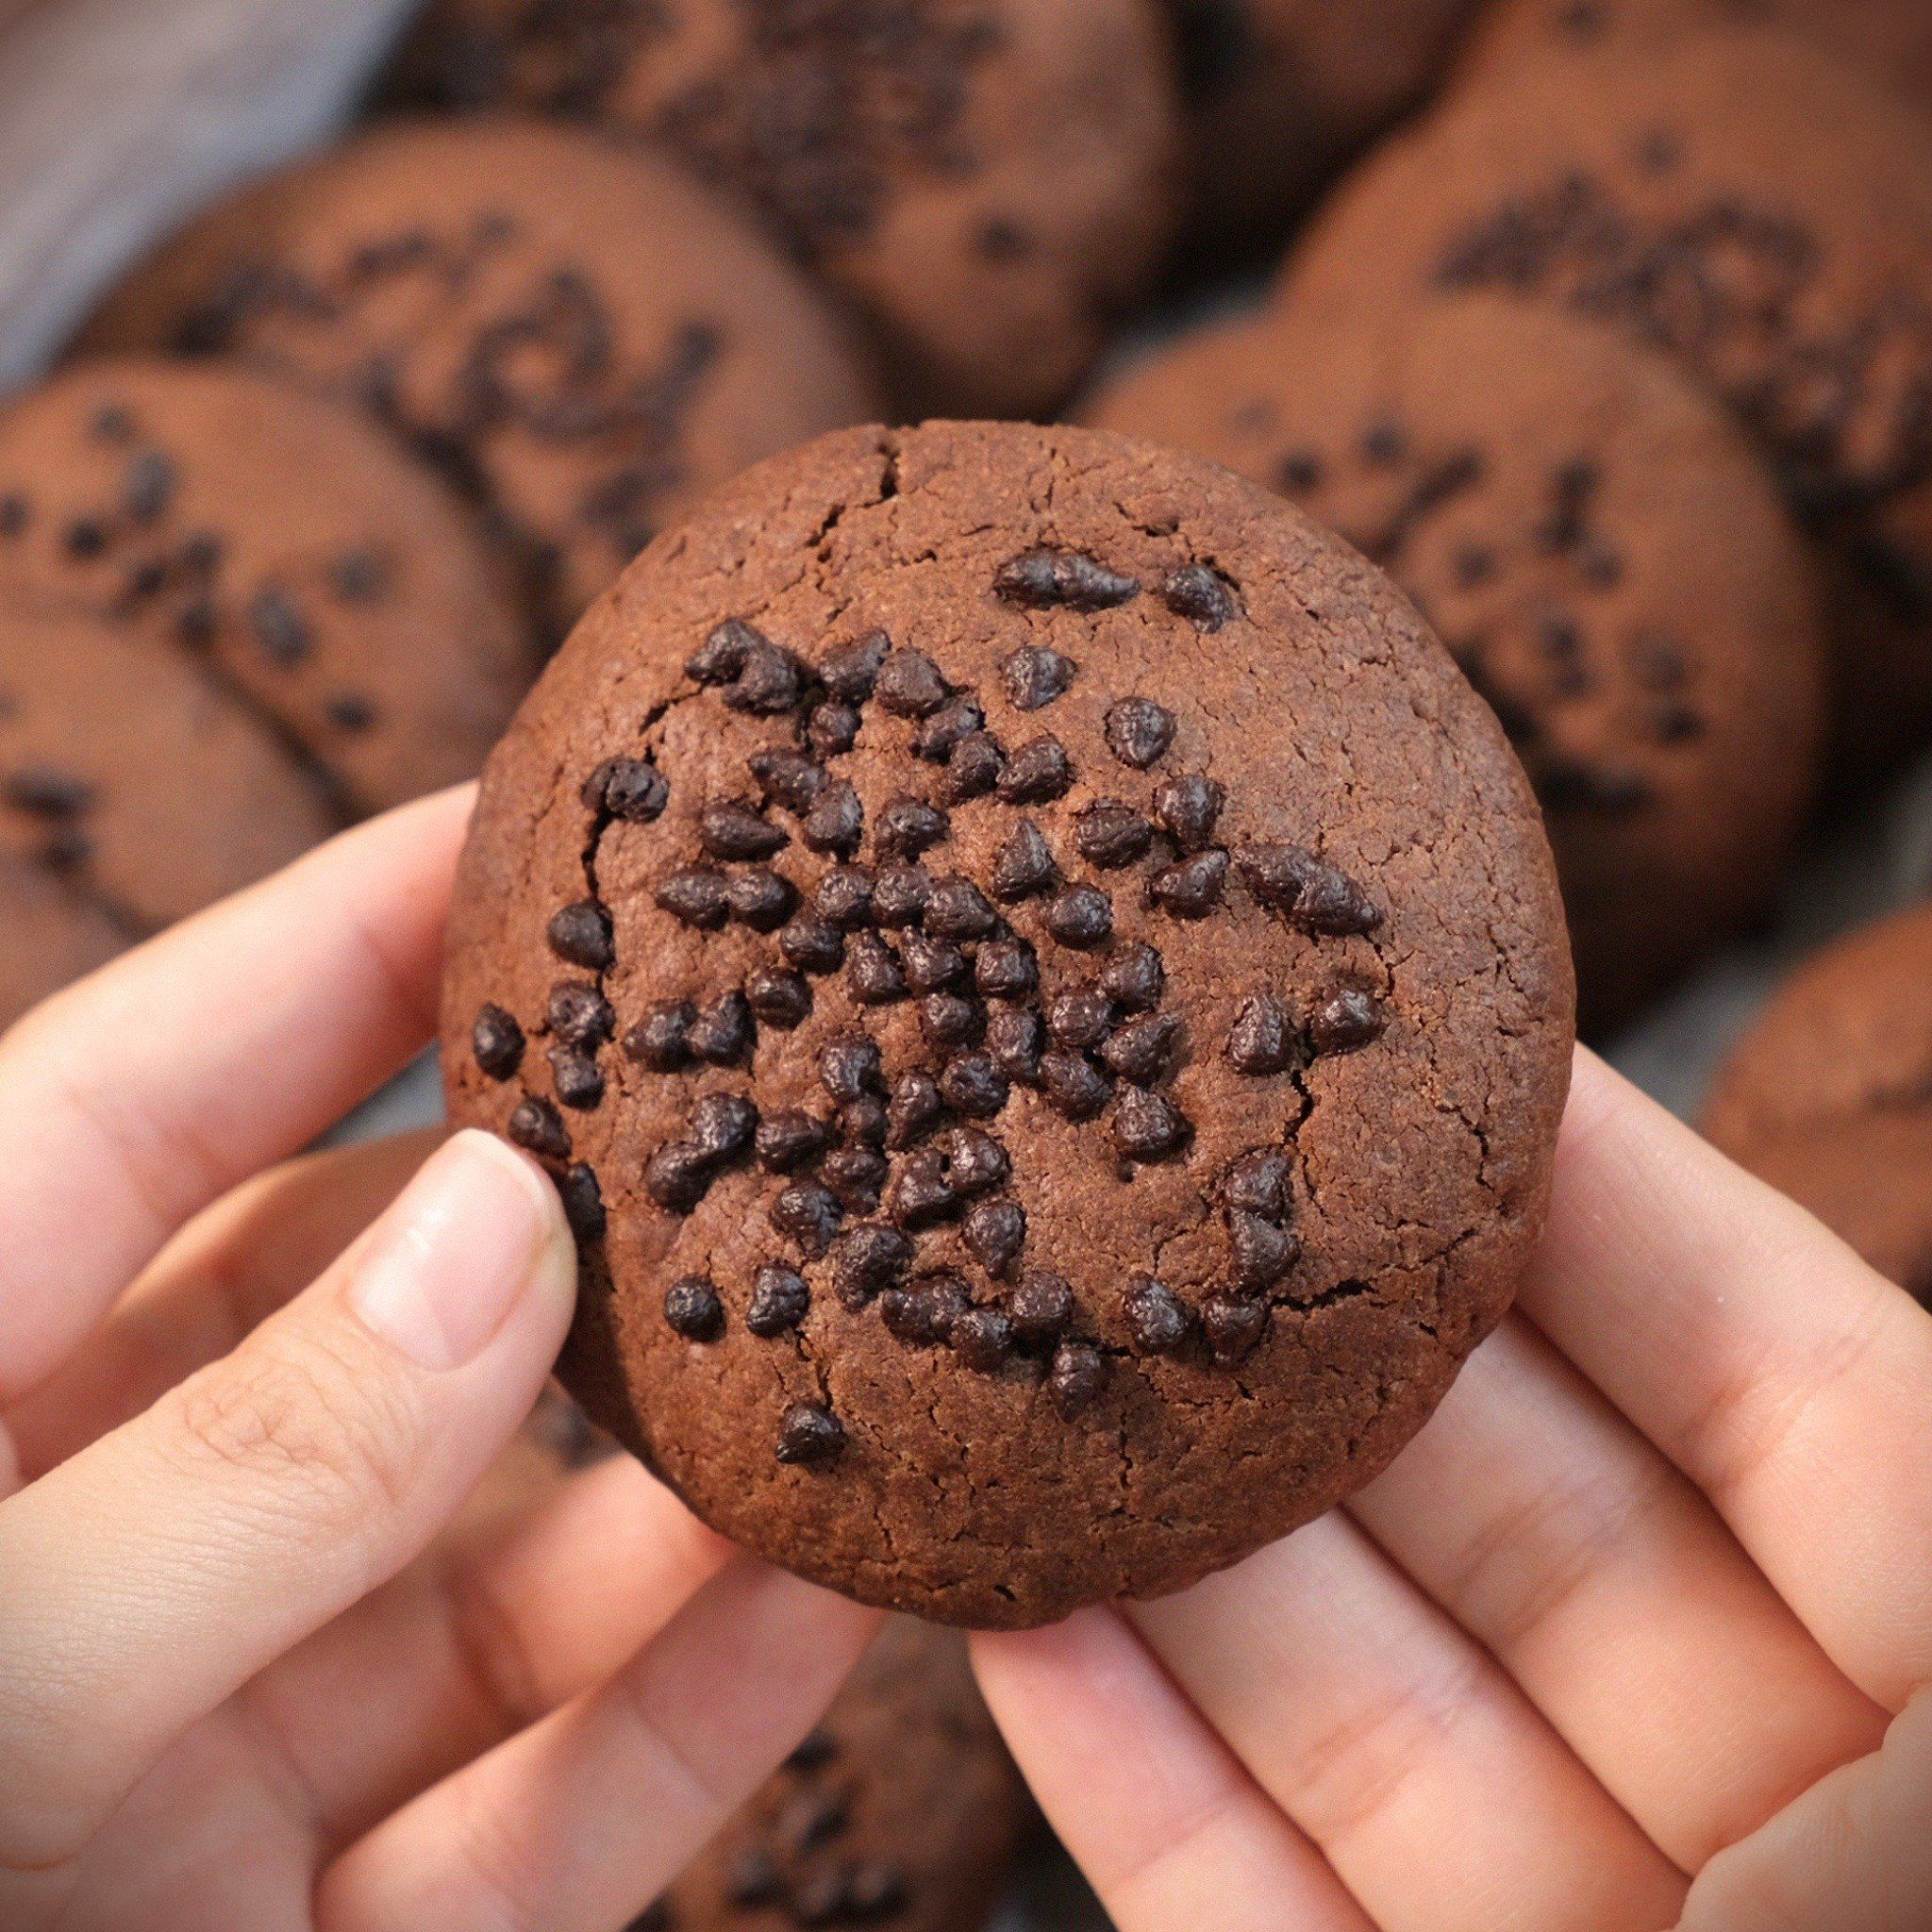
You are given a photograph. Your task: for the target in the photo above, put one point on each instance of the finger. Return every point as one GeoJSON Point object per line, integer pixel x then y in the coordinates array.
{"type": "Point", "coordinates": [1560, 1539]}
{"type": "Point", "coordinates": [1374, 1723]}
{"type": "Point", "coordinates": [218, 1280]}
{"type": "Point", "coordinates": [1853, 1852]}
{"type": "Point", "coordinates": [579, 1822]}
{"type": "Point", "coordinates": [145, 1580]}
{"type": "Point", "coordinates": [483, 1636]}
{"type": "Point", "coordinates": [136, 1097]}
{"type": "Point", "coordinates": [1167, 1827]}
{"type": "Point", "coordinates": [1785, 1380]}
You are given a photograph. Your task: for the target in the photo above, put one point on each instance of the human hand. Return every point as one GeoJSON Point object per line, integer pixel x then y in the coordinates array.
{"type": "Point", "coordinates": [1637, 1633]}
{"type": "Point", "coordinates": [229, 1695]}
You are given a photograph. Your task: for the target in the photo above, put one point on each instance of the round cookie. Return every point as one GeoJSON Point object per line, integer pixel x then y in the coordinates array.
{"type": "Point", "coordinates": [1046, 995]}
{"type": "Point", "coordinates": [1603, 555]}
{"type": "Point", "coordinates": [134, 779]}
{"type": "Point", "coordinates": [302, 560]}
{"type": "Point", "coordinates": [579, 335]}
{"type": "Point", "coordinates": [1282, 91]}
{"type": "Point", "coordinates": [1828, 1096]}
{"type": "Point", "coordinates": [1742, 204]}
{"type": "Point", "coordinates": [49, 936]}
{"type": "Point", "coordinates": [989, 181]}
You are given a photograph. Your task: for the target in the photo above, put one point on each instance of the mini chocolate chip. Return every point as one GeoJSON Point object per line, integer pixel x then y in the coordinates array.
{"type": "Point", "coordinates": [14, 514]}
{"type": "Point", "coordinates": [286, 636]}
{"type": "Point", "coordinates": [1015, 1038]}
{"type": "Point", "coordinates": [924, 1315]}
{"type": "Point", "coordinates": [1138, 731]}
{"type": "Point", "coordinates": [1675, 723]}
{"type": "Point", "coordinates": [1385, 442]}
{"type": "Point", "coordinates": [1258, 1183]}
{"type": "Point", "coordinates": [994, 1232]}
{"type": "Point", "coordinates": [731, 829]}
{"type": "Point", "coordinates": [974, 769]}
{"type": "Point", "coordinates": [771, 683]}
{"type": "Point", "coordinates": [1078, 1375]}
{"type": "Point", "coordinates": [983, 1340]}
{"type": "Point", "coordinates": [676, 1177]}
{"type": "Point", "coordinates": [1080, 916]}
{"type": "Point", "coordinates": [1074, 1086]}
{"type": "Point", "coordinates": [832, 730]}
{"type": "Point", "coordinates": [723, 1126]}
{"type": "Point", "coordinates": [1044, 578]}
{"type": "Point", "coordinates": [1192, 888]}
{"type": "Point", "coordinates": [1005, 969]}
{"type": "Point", "coordinates": [693, 1311]}
{"type": "Point", "coordinates": [1348, 1019]}
{"type": "Point", "coordinates": [661, 1039]}
{"type": "Point", "coordinates": [812, 1437]}
{"type": "Point", "coordinates": [857, 1175]}
{"type": "Point", "coordinates": [807, 1214]}
{"type": "Point", "coordinates": [753, 1881]}
{"type": "Point", "coordinates": [357, 577]}
{"type": "Point", "coordinates": [113, 423]}
{"type": "Point", "coordinates": [789, 1138]}
{"type": "Point", "coordinates": [579, 1081]}
{"type": "Point", "coordinates": [1147, 1127]}
{"type": "Point", "coordinates": [1136, 980]}
{"type": "Point", "coordinates": [810, 1817]}
{"type": "Point", "coordinates": [498, 1042]}
{"type": "Point", "coordinates": [1264, 1250]}
{"type": "Point", "coordinates": [1035, 773]}
{"type": "Point", "coordinates": [1233, 1328]}
{"type": "Point", "coordinates": [900, 894]}
{"type": "Point", "coordinates": [538, 1127]}
{"type": "Point", "coordinates": [349, 711]}
{"type": "Point", "coordinates": [1035, 675]}
{"type": "Point", "coordinates": [875, 1891]}
{"type": "Point", "coordinates": [1156, 1319]}
{"type": "Point", "coordinates": [1188, 808]}
{"type": "Point", "coordinates": [941, 734]}
{"type": "Point", "coordinates": [872, 971]}
{"type": "Point", "coordinates": [1079, 1018]}
{"type": "Point", "coordinates": [950, 1021]}
{"type": "Point", "coordinates": [1041, 1307]}
{"type": "Point", "coordinates": [868, 1261]}
{"type": "Point", "coordinates": [930, 964]}
{"type": "Point", "coordinates": [722, 1033]}
{"type": "Point", "coordinates": [581, 935]}
{"type": "Point", "coordinates": [1110, 835]}
{"type": "Point", "coordinates": [1142, 1050]}
{"type": "Point", "coordinates": [817, 1747]}
{"type": "Point", "coordinates": [85, 539]}
{"type": "Point", "coordinates": [974, 1159]}
{"type": "Point", "coordinates": [923, 1191]}
{"type": "Point", "coordinates": [843, 897]}
{"type": "Point", "coordinates": [849, 1068]}
{"type": "Point", "coordinates": [695, 896]}
{"type": "Point", "coordinates": [812, 944]}
{"type": "Point", "coordinates": [914, 1109]}
{"type": "Point", "coordinates": [1300, 471]}
{"type": "Point", "coordinates": [1024, 865]}
{"type": "Point", "coordinates": [583, 1203]}
{"type": "Point", "coordinates": [1309, 892]}
{"type": "Point", "coordinates": [779, 1301]}
{"type": "Point", "coordinates": [1201, 594]}
{"type": "Point", "coordinates": [788, 778]}
{"type": "Point", "coordinates": [909, 685]}
{"type": "Point", "coordinates": [1262, 1040]}
{"type": "Point", "coordinates": [836, 823]}
{"type": "Point", "coordinates": [851, 671]}
{"type": "Point", "coordinates": [760, 898]}
{"type": "Point", "coordinates": [723, 655]}
{"type": "Point", "coordinates": [777, 998]}
{"type": "Point", "coordinates": [909, 826]}
{"type": "Point", "coordinates": [973, 1084]}
{"type": "Point", "coordinates": [627, 788]}
{"type": "Point", "coordinates": [956, 910]}
{"type": "Point", "coordinates": [65, 849]}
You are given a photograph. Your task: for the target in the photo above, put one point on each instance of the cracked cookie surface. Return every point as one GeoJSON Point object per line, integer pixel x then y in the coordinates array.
{"type": "Point", "coordinates": [1045, 995]}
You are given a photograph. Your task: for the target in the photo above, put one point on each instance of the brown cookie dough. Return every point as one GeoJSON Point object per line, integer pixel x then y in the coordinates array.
{"type": "Point", "coordinates": [1602, 553]}
{"type": "Point", "coordinates": [580, 336]}
{"type": "Point", "coordinates": [988, 180]}
{"type": "Point", "coordinates": [337, 587]}
{"type": "Point", "coordinates": [49, 936]}
{"type": "Point", "coordinates": [1283, 91]}
{"type": "Point", "coordinates": [1739, 203]}
{"type": "Point", "coordinates": [1829, 1095]}
{"type": "Point", "coordinates": [1047, 997]}
{"type": "Point", "coordinates": [134, 780]}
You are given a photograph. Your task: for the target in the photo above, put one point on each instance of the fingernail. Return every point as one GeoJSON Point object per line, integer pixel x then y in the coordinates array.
{"type": "Point", "coordinates": [464, 1243]}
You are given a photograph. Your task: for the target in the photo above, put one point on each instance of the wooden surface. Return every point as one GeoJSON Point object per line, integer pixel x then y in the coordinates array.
{"type": "Point", "coordinates": [120, 117]}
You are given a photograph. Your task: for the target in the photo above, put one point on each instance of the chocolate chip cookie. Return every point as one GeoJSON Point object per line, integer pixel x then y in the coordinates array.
{"type": "Point", "coordinates": [1047, 998]}
{"type": "Point", "coordinates": [1601, 551]}
{"type": "Point", "coordinates": [49, 935]}
{"type": "Point", "coordinates": [987, 180]}
{"type": "Point", "coordinates": [1829, 1095]}
{"type": "Point", "coordinates": [285, 545]}
{"type": "Point", "coordinates": [1736, 202]}
{"type": "Point", "coordinates": [578, 336]}
{"type": "Point", "coordinates": [1282, 91]}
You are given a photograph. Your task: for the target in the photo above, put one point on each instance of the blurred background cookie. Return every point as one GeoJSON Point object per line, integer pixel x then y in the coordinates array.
{"type": "Point", "coordinates": [1600, 551]}
{"type": "Point", "coordinates": [576, 334]}
{"type": "Point", "coordinates": [1736, 202]}
{"type": "Point", "coordinates": [987, 180]}
{"type": "Point", "coordinates": [1828, 1096]}
{"type": "Point", "coordinates": [50, 934]}
{"type": "Point", "coordinates": [302, 559]}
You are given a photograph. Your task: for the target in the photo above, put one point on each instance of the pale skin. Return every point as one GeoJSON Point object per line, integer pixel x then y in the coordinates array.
{"type": "Point", "coordinates": [1636, 1635]}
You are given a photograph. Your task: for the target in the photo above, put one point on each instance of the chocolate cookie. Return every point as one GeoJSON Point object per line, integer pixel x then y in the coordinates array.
{"type": "Point", "coordinates": [988, 180]}
{"type": "Point", "coordinates": [1829, 1096]}
{"type": "Point", "coordinates": [134, 780]}
{"type": "Point", "coordinates": [578, 335]}
{"type": "Point", "coordinates": [1282, 91]}
{"type": "Point", "coordinates": [49, 935]}
{"type": "Point", "coordinates": [289, 547]}
{"type": "Point", "coordinates": [1736, 201]}
{"type": "Point", "coordinates": [971, 922]}
{"type": "Point", "coordinates": [1601, 551]}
